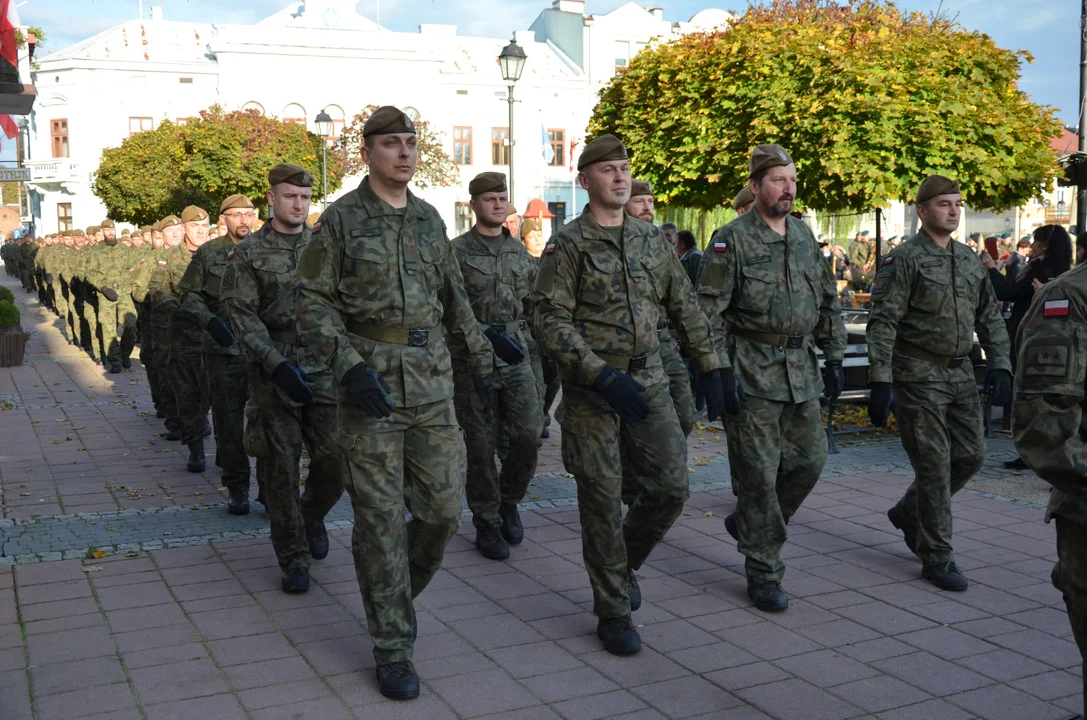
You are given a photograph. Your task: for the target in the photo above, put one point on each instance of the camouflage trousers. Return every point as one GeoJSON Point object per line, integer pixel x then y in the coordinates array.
{"type": "Point", "coordinates": [229, 389]}
{"type": "Point", "coordinates": [91, 313]}
{"type": "Point", "coordinates": [1070, 577]}
{"type": "Point", "coordinates": [283, 429]}
{"type": "Point", "coordinates": [414, 460]}
{"type": "Point", "coordinates": [127, 319]}
{"type": "Point", "coordinates": [777, 451]}
{"type": "Point", "coordinates": [943, 434]}
{"type": "Point", "coordinates": [187, 376]}
{"type": "Point", "coordinates": [108, 325]}
{"type": "Point", "coordinates": [159, 338]}
{"type": "Point", "coordinates": [592, 434]}
{"type": "Point", "coordinates": [60, 295]}
{"type": "Point", "coordinates": [518, 414]}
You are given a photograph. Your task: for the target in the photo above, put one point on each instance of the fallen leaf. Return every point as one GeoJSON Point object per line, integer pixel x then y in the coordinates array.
{"type": "Point", "coordinates": [111, 529]}
{"type": "Point", "coordinates": [132, 553]}
{"type": "Point", "coordinates": [96, 554]}
{"type": "Point", "coordinates": [167, 532]}
{"type": "Point", "coordinates": [709, 513]}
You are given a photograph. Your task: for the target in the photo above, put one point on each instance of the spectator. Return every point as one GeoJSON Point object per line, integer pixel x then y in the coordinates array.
{"type": "Point", "coordinates": [689, 254]}
{"type": "Point", "coordinates": [1018, 259]}
{"type": "Point", "coordinates": [670, 232]}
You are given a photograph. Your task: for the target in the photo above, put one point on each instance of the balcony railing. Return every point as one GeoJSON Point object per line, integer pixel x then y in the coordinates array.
{"type": "Point", "coordinates": [55, 170]}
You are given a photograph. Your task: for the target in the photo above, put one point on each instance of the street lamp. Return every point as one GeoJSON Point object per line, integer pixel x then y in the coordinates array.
{"type": "Point", "coordinates": [323, 123]}
{"type": "Point", "coordinates": [512, 61]}
{"type": "Point", "coordinates": [1062, 206]}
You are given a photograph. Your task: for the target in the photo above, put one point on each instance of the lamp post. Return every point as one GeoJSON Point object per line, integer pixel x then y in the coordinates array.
{"type": "Point", "coordinates": [323, 124]}
{"type": "Point", "coordinates": [512, 61]}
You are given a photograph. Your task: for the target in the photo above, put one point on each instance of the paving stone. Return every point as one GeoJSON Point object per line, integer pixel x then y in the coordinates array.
{"type": "Point", "coordinates": [463, 693]}
{"type": "Point", "coordinates": [795, 698]}
{"type": "Point", "coordinates": [933, 675]}
{"type": "Point", "coordinates": [825, 668]}
{"type": "Point", "coordinates": [875, 694]}
{"type": "Point", "coordinates": [1000, 702]}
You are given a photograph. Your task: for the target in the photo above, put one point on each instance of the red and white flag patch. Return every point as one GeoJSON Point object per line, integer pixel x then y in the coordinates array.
{"type": "Point", "coordinates": [719, 246]}
{"type": "Point", "coordinates": [230, 255]}
{"type": "Point", "coordinates": [550, 248]}
{"type": "Point", "coordinates": [162, 263]}
{"type": "Point", "coordinates": [1055, 309]}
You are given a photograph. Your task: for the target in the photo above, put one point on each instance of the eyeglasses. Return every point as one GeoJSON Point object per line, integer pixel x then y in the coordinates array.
{"type": "Point", "coordinates": [245, 215]}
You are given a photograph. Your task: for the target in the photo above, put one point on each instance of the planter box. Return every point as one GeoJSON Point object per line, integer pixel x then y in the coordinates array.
{"type": "Point", "coordinates": [13, 346]}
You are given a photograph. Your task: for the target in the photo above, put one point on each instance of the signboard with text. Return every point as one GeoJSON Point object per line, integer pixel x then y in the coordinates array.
{"type": "Point", "coordinates": [21, 174]}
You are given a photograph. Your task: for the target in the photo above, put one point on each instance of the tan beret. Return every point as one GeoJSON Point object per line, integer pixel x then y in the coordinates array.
{"type": "Point", "coordinates": [126, 231]}
{"type": "Point", "coordinates": [107, 223]}
{"type": "Point", "coordinates": [312, 218]}
{"type": "Point", "coordinates": [605, 147]}
{"type": "Point", "coordinates": [641, 187]}
{"type": "Point", "coordinates": [744, 197]}
{"type": "Point", "coordinates": [150, 228]}
{"type": "Point", "coordinates": [935, 185]}
{"type": "Point", "coordinates": [170, 221]}
{"type": "Point", "coordinates": [92, 229]}
{"type": "Point", "coordinates": [530, 225]}
{"type": "Point", "coordinates": [386, 121]}
{"type": "Point", "coordinates": [291, 174]}
{"type": "Point", "coordinates": [77, 233]}
{"type": "Point", "coordinates": [193, 214]}
{"type": "Point", "coordinates": [765, 157]}
{"type": "Point", "coordinates": [512, 210]}
{"type": "Point", "coordinates": [235, 201]}
{"type": "Point", "coordinates": [487, 182]}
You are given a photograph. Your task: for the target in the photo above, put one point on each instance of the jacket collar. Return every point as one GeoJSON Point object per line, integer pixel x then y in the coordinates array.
{"type": "Point", "coordinates": [376, 207]}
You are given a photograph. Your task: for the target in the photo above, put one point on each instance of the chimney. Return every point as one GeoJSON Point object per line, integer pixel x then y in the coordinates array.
{"type": "Point", "coordinates": [658, 13]}
{"type": "Point", "coordinates": [156, 13]}
{"type": "Point", "coordinates": [570, 6]}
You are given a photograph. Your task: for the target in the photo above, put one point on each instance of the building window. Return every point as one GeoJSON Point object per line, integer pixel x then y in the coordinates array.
{"type": "Point", "coordinates": [253, 105]}
{"type": "Point", "coordinates": [64, 217]}
{"type": "Point", "coordinates": [464, 220]}
{"type": "Point", "coordinates": [295, 113]}
{"type": "Point", "coordinates": [336, 113]}
{"type": "Point", "coordinates": [558, 209]}
{"type": "Point", "coordinates": [557, 138]}
{"type": "Point", "coordinates": [59, 129]}
{"type": "Point", "coordinates": [462, 145]}
{"type": "Point", "coordinates": [500, 146]}
{"type": "Point", "coordinates": [622, 53]}
{"type": "Point", "coordinates": [139, 124]}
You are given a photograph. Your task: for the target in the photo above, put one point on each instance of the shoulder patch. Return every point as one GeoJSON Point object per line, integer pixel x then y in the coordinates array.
{"type": "Point", "coordinates": [162, 263]}
{"type": "Point", "coordinates": [1055, 309]}
{"type": "Point", "coordinates": [230, 255]}
{"type": "Point", "coordinates": [889, 260]}
{"type": "Point", "coordinates": [550, 248]}
{"type": "Point", "coordinates": [316, 226]}
{"type": "Point", "coordinates": [1046, 361]}
{"type": "Point", "coordinates": [720, 246]}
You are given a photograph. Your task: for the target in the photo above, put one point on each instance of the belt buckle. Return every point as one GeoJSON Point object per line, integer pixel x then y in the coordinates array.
{"type": "Point", "coordinates": [638, 362]}
{"type": "Point", "coordinates": [418, 337]}
{"type": "Point", "coordinates": [795, 342]}
{"type": "Point", "coordinates": [500, 328]}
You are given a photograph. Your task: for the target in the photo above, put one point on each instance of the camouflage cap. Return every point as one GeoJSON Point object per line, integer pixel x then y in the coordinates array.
{"type": "Point", "coordinates": [605, 147]}
{"type": "Point", "coordinates": [530, 225]}
{"type": "Point", "coordinates": [935, 185]}
{"type": "Point", "coordinates": [170, 221]}
{"type": "Point", "coordinates": [193, 214]}
{"type": "Point", "coordinates": [235, 201]}
{"type": "Point", "coordinates": [107, 223]}
{"type": "Point", "coordinates": [386, 121]}
{"type": "Point", "coordinates": [743, 198]}
{"type": "Point", "coordinates": [765, 157]}
{"type": "Point", "coordinates": [487, 182]}
{"type": "Point", "coordinates": [640, 187]}
{"type": "Point", "coordinates": [291, 174]}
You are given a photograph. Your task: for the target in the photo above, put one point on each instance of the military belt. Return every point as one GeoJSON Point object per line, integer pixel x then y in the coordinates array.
{"type": "Point", "coordinates": [789, 342]}
{"type": "Point", "coordinates": [624, 363]}
{"type": "Point", "coordinates": [413, 337]}
{"type": "Point", "coordinates": [917, 353]}
{"type": "Point", "coordinates": [287, 338]}
{"type": "Point", "coordinates": [509, 328]}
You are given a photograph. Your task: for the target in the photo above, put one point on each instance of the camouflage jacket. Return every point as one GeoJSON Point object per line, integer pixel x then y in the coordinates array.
{"type": "Point", "coordinates": [374, 268]}
{"type": "Point", "coordinates": [932, 299]}
{"type": "Point", "coordinates": [861, 252]}
{"type": "Point", "coordinates": [754, 283]}
{"type": "Point", "coordinates": [1048, 420]}
{"type": "Point", "coordinates": [594, 295]}
{"type": "Point", "coordinates": [185, 333]}
{"type": "Point", "coordinates": [202, 291]}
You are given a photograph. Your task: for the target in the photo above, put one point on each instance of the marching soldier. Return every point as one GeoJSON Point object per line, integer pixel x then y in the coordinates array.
{"type": "Point", "coordinates": [163, 305]}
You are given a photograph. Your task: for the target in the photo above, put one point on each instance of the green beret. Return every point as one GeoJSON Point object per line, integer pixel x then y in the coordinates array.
{"type": "Point", "coordinates": [743, 198]}
{"type": "Point", "coordinates": [863, 233]}
{"type": "Point", "coordinates": [935, 185]}
{"type": "Point", "coordinates": [386, 121]}
{"type": "Point", "coordinates": [193, 214]}
{"type": "Point", "coordinates": [291, 174]}
{"type": "Point", "coordinates": [605, 147]}
{"type": "Point", "coordinates": [641, 187]}
{"type": "Point", "coordinates": [235, 201]}
{"type": "Point", "coordinates": [487, 182]}
{"type": "Point", "coordinates": [1005, 236]}
{"type": "Point", "coordinates": [765, 157]}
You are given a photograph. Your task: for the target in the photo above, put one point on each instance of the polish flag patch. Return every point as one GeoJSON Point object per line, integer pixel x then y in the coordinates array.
{"type": "Point", "coordinates": [162, 263]}
{"type": "Point", "coordinates": [719, 246]}
{"type": "Point", "coordinates": [550, 248]}
{"type": "Point", "coordinates": [230, 255]}
{"type": "Point", "coordinates": [1055, 309]}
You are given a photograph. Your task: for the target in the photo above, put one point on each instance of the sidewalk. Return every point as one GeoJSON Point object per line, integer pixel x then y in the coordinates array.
{"type": "Point", "coordinates": [183, 617]}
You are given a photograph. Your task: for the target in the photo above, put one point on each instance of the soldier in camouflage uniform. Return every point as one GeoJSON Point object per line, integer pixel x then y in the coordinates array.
{"type": "Point", "coordinates": [224, 359]}
{"type": "Point", "coordinates": [602, 283]}
{"type": "Point", "coordinates": [143, 268]}
{"type": "Point", "coordinates": [1050, 428]}
{"type": "Point", "coordinates": [163, 305]}
{"type": "Point", "coordinates": [107, 269]}
{"type": "Point", "coordinates": [931, 295]}
{"type": "Point", "coordinates": [769, 297]}
{"type": "Point", "coordinates": [498, 276]}
{"type": "Point", "coordinates": [121, 346]}
{"type": "Point", "coordinates": [379, 291]}
{"type": "Point", "coordinates": [543, 367]}
{"type": "Point", "coordinates": [862, 258]}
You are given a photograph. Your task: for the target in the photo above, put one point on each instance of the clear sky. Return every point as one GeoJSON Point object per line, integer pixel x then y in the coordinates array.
{"type": "Point", "coordinates": [1048, 30]}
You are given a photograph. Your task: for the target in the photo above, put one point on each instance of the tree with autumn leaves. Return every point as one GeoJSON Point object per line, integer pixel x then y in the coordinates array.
{"type": "Point", "coordinates": [868, 99]}
{"type": "Point", "coordinates": [435, 167]}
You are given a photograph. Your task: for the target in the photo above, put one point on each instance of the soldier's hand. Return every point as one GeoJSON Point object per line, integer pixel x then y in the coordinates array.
{"type": "Point", "coordinates": [998, 385]}
{"type": "Point", "coordinates": [485, 389]}
{"type": "Point", "coordinates": [713, 390]}
{"type": "Point", "coordinates": [367, 389]}
{"type": "Point", "coordinates": [289, 379]}
{"type": "Point", "coordinates": [623, 393]}
{"type": "Point", "coordinates": [833, 379]}
{"type": "Point", "coordinates": [550, 370]}
{"type": "Point", "coordinates": [220, 333]}
{"type": "Point", "coordinates": [109, 293]}
{"type": "Point", "coordinates": [505, 347]}
{"type": "Point", "coordinates": [879, 403]}
{"type": "Point", "coordinates": [733, 398]}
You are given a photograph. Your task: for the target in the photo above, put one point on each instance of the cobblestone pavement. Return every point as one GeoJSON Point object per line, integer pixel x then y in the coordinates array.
{"type": "Point", "coordinates": [156, 631]}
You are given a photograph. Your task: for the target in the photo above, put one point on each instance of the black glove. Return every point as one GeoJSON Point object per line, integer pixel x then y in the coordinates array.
{"type": "Point", "coordinates": [49, 278]}
{"type": "Point", "coordinates": [485, 389]}
{"type": "Point", "coordinates": [289, 379]}
{"type": "Point", "coordinates": [367, 389]}
{"type": "Point", "coordinates": [109, 293]}
{"type": "Point", "coordinates": [879, 403]}
{"type": "Point", "coordinates": [714, 391]}
{"type": "Point", "coordinates": [550, 370]}
{"type": "Point", "coordinates": [733, 392]}
{"type": "Point", "coordinates": [220, 333]}
{"type": "Point", "coordinates": [833, 379]}
{"type": "Point", "coordinates": [505, 347]}
{"type": "Point", "coordinates": [998, 385]}
{"type": "Point", "coordinates": [623, 393]}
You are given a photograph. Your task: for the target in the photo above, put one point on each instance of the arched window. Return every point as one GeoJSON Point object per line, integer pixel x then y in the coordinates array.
{"type": "Point", "coordinates": [254, 105]}
{"type": "Point", "coordinates": [336, 113]}
{"type": "Point", "coordinates": [295, 113]}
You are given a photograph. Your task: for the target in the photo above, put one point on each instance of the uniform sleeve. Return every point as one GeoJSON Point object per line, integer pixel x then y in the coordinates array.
{"type": "Point", "coordinates": [317, 313]}
{"type": "Point", "coordinates": [716, 281]}
{"type": "Point", "coordinates": [241, 294]}
{"type": "Point", "coordinates": [830, 335]}
{"type": "Point", "coordinates": [192, 291]}
{"type": "Point", "coordinates": [689, 322]}
{"type": "Point", "coordinates": [991, 329]}
{"type": "Point", "coordinates": [890, 299]}
{"type": "Point", "coordinates": [460, 320]}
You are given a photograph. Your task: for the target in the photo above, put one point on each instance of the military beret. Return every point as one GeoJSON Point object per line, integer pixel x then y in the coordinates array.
{"type": "Point", "coordinates": [92, 229]}
{"type": "Point", "coordinates": [235, 201]}
{"type": "Point", "coordinates": [641, 187]}
{"type": "Point", "coordinates": [291, 174]}
{"type": "Point", "coordinates": [863, 233]}
{"type": "Point", "coordinates": [530, 225]}
{"type": "Point", "coordinates": [512, 210]}
{"type": "Point", "coordinates": [312, 218]}
{"type": "Point", "coordinates": [605, 147]}
{"type": "Point", "coordinates": [386, 121]}
{"type": "Point", "coordinates": [487, 182]}
{"type": "Point", "coordinates": [743, 198]}
{"type": "Point", "coordinates": [935, 185]}
{"type": "Point", "coordinates": [77, 233]}
{"type": "Point", "coordinates": [765, 157]}
{"type": "Point", "coordinates": [975, 236]}
{"type": "Point", "coordinates": [1005, 236]}
{"type": "Point", "coordinates": [193, 214]}
{"type": "Point", "coordinates": [170, 221]}
{"type": "Point", "coordinates": [107, 223]}
{"type": "Point", "coordinates": [126, 231]}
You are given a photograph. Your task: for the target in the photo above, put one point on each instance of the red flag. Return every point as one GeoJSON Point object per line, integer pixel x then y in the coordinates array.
{"type": "Point", "coordinates": [9, 20]}
{"type": "Point", "coordinates": [8, 126]}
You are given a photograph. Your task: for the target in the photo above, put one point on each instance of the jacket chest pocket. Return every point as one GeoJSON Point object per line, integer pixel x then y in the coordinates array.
{"type": "Point", "coordinates": [479, 274]}
{"type": "Point", "coordinates": [599, 276]}
{"type": "Point", "coordinates": [365, 267]}
{"type": "Point", "coordinates": [931, 292]}
{"type": "Point", "coordinates": [968, 279]}
{"type": "Point", "coordinates": [214, 281]}
{"type": "Point", "coordinates": [275, 273]}
{"type": "Point", "coordinates": [432, 252]}
{"type": "Point", "coordinates": [757, 289]}
{"type": "Point", "coordinates": [517, 275]}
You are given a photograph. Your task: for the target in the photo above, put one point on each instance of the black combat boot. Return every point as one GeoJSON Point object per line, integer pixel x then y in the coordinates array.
{"type": "Point", "coordinates": [126, 363]}
{"type": "Point", "coordinates": [398, 680]}
{"type": "Point", "coordinates": [238, 502]}
{"type": "Point", "coordinates": [633, 591]}
{"type": "Point", "coordinates": [196, 460]}
{"type": "Point", "coordinates": [318, 542]}
{"type": "Point", "coordinates": [618, 635]}
{"type": "Point", "coordinates": [945, 576]}
{"type": "Point", "coordinates": [490, 543]}
{"type": "Point", "coordinates": [295, 581]}
{"type": "Point", "coordinates": [207, 428]}
{"type": "Point", "coordinates": [901, 522]}
{"type": "Point", "coordinates": [730, 525]}
{"type": "Point", "coordinates": [768, 596]}
{"type": "Point", "coordinates": [512, 529]}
